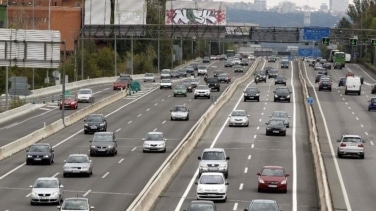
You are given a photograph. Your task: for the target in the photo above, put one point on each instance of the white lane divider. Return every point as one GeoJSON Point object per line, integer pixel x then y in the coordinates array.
{"type": "Point", "coordinates": [116, 131]}
{"type": "Point", "coordinates": [105, 175]}
{"type": "Point", "coordinates": [121, 160]}
{"type": "Point", "coordinates": [139, 115]}
{"type": "Point", "coordinates": [258, 127]}
{"type": "Point", "coordinates": [129, 122]}
{"type": "Point", "coordinates": [254, 136]}
{"type": "Point", "coordinates": [163, 122]}
{"type": "Point", "coordinates": [249, 157]}
{"type": "Point", "coordinates": [235, 206]}
{"type": "Point", "coordinates": [371, 142]}
{"type": "Point", "coordinates": [148, 109]}
{"type": "Point", "coordinates": [87, 193]}
{"type": "Point", "coordinates": [252, 146]}
{"type": "Point", "coordinates": [245, 170]}
{"type": "Point", "coordinates": [241, 186]}
{"type": "Point", "coordinates": [134, 148]}
{"type": "Point", "coordinates": [155, 104]}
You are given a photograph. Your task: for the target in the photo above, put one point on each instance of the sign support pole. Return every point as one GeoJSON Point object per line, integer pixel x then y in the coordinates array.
{"type": "Point", "coordinates": [374, 55]}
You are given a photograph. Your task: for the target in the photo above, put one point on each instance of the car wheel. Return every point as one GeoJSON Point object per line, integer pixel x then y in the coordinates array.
{"type": "Point", "coordinates": [285, 190]}
{"type": "Point", "coordinates": [172, 119]}
{"type": "Point", "coordinates": [275, 100]}
{"type": "Point", "coordinates": [174, 95]}
{"type": "Point", "coordinates": [244, 100]}
{"type": "Point", "coordinates": [284, 133]}
{"type": "Point", "coordinates": [85, 132]}
{"type": "Point", "coordinates": [339, 155]}
{"type": "Point", "coordinates": [289, 101]}
{"type": "Point", "coordinates": [369, 109]}
{"type": "Point", "coordinates": [187, 118]}
{"type": "Point", "coordinates": [28, 162]}
{"type": "Point", "coordinates": [258, 99]}
{"type": "Point", "coordinates": [164, 150]}
{"type": "Point", "coordinates": [362, 156]}
{"type": "Point", "coordinates": [195, 97]}
{"type": "Point", "coordinates": [259, 190]}
{"type": "Point", "coordinates": [32, 203]}
{"type": "Point", "coordinates": [275, 84]}
{"type": "Point", "coordinates": [65, 175]}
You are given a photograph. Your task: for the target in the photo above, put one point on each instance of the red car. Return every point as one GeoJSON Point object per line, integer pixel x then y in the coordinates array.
{"type": "Point", "coordinates": [120, 84]}
{"type": "Point", "coordinates": [70, 102]}
{"type": "Point", "coordinates": [373, 89]}
{"type": "Point", "coordinates": [272, 178]}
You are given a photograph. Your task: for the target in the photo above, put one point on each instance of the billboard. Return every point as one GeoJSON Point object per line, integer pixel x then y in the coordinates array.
{"type": "Point", "coordinates": [97, 12]}
{"type": "Point", "coordinates": [195, 13]}
{"type": "Point", "coordinates": [130, 12]}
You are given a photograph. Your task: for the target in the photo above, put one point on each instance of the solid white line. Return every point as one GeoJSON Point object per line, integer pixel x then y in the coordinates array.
{"type": "Point", "coordinates": [134, 148]}
{"type": "Point", "coordinates": [235, 206]}
{"type": "Point", "coordinates": [87, 193]}
{"type": "Point", "coordinates": [178, 206]}
{"type": "Point", "coordinates": [294, 162]}
{"type": "Point", "coordinates": [241, 186]}
{"type": "Point", "coordinates": [121, 160]}
{"type": "Point", "coordinates": [245, 170]}
{"type": "Point", "coordinates": [105, 175]}
{"type": "Point", "coordinates": [340, 178]}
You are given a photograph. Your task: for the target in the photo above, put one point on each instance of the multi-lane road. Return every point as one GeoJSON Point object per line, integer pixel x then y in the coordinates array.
{"type": "Point", "coordinates": [250, 149]}
{"type": "Point", "coordinates": [116, 181]}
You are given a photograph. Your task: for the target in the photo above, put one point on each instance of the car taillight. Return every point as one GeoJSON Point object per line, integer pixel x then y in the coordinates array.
{"type": "Point", "coordinates": [360, 145]}
{"type": "Point", "coordinates": [342, 145]}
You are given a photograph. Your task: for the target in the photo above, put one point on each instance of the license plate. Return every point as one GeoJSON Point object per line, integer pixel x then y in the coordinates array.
{"type": "Point", "coordinates": [275, 131]}
{"type": "Point", "coordinates": [251, 97]}
{"type": "Point", "coordinates": [101, 150]}
{"type": "Point", "coordinates": [76, 171]}
{"type": "Point", "coordinates": [282, 98]}
{"type": "Point", "coordinates": [37, 158]}
{"type": "Point", "coordinates": [44, 198]}
{"type": "Point", "coordinates": [213, 169]}
{"type": "Point", "coordinates": [272, 186]}
{"type": "Point", "coordinates": [93, 127]}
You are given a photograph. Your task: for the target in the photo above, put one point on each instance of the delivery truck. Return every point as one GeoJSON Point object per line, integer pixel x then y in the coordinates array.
{"type": "Point", "coordinates": [347, 58]}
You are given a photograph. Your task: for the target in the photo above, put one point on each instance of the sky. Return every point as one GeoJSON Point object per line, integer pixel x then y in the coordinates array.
{"type": "Point", "coordinates": [272, 3]}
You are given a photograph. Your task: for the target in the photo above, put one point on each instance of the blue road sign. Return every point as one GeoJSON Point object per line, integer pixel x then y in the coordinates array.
{"type": "Point", "coordinates": [303, 52]}
{"type": "Point", "coordinates": [310, 100]}
{"type": "Point", "coordinates": [315, 33]}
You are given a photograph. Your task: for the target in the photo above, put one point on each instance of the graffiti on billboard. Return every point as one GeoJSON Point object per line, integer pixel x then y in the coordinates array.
{"type": "Point", "coordinates": [130, 12]}
{"type": "Point", "coordinates": [195, 13]}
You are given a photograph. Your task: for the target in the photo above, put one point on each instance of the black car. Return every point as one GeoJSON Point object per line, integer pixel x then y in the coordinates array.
{"type": "Point", "coordinates": [103, 143]}
{"type": "Point", "coordinates": [322, 71]}
{"type": "Point", "coordinates": [206, 59]}
{"type": "Point", "coordinates": [272, 73]}
{"type": "Point", "coordinates": [327, 65]}
{"type": "Point", "coordinates": [188, 85]}
{"type": "Point", "coordinates": [189, 70]}
{"type": "Point", "coordinates": [217, 72]}
{"type": "Point", "coordinates": [238, 68]}
{"type": "Point", "coordinates": [261, 74]}
{"type": "Point", "coordinates": [175, 74]}
{"type": "Point", "coordinates": [325, 84]}
{"type": "Point", "coordinates": [251, 93]}
{"type": "Point", "coordinates": [40, 153]}
{"type": "Point", "coordinates": [194, 65]}
{"type": "Point", "coordinates": [280, 80]}
{"type": "Point", "coordinates": [223, 77]}
{"type": "Point", "coordinates": [95, 123]}
{"type": "Point", "coordinates": [342, 82]}
{"type": "Point", "coordinates": [318, 77]}
{"type": "Point", "coordinates": [244, 62]}
{"type": "Point", "coordinates": [183, 72]}
{"type": "Point", "coordinates": [267, 69]}
{"type": "Point", "coordinates": [276, 127]}
{"type": "Point", "coordinates": [282, 94]}
{"type": "Point", "coordinates": [228, 63]}
{"type": "Point", "coordinates": [213, 83]}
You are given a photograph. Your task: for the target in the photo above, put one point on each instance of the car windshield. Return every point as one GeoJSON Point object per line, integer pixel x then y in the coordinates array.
{"type": "Point", "coordinates": [373, 100]}
{"type": "Point", "coordinates": [121, 80]}
{"type": "Point", "coordinates": [75, 205]}
{"type": "Point", "coordinates": [276, 122]}
{"type": "Point", "coordinates": [180, 87]}
{"type": "Point", "coordinates": [352, 139]}
{"type": "Point", "coordinates": [265, 206]}
{"type": "Point", "coordinates": [94, 118]}
{"type": "Point", "coordinates": [179, 108]}
{"type": "Point", "coordinates": [39, 148]}
{"type": "Point", "coordinates": [213, 156]}
{"type": "Point", "coordinates": [202, 87]}
{"type": "Point", "coordinates": [279, 114]}
{"type": "Point", "coordinates": [194, 80]}
{"type": "Point", "coordinates": [149, 74]}
{"type": "Point", "coordinates": [77, 159]}
{"type": "Point", "coordinates": [211, 179]}
{"type": "Point", "coordinates": [154, 136]}
{"type": "Point", "coordinates": [251, 90]}
{"type": "Point", "coordinates": [165, 81]}
{"type": "Point", "coordinates": [212, 80]}
{"type": "Point", "coordinates": [272, 172]}
{"type": "Point", "coordinates": [125, 77]}
{"type": "Point", "coordinates": [46, 184]}
{"type": "Point", "coordinates": [223, 75]}
{"type": "Point", "coordinates": [281, 78]}
{"type": "Point", "coordinates": [69, 97]}
{"type": "Point", "coordinates": [238, 113]}
{"type": "Point", "coordinates": [201, 67]}
{"type": "Point", "coordinates": [201, 207]}
{"type": "Point", "coordinates": [102, 137]}
{"type": "Point", "coordinates": [84, 91]}
{"type": "Point", "coordinates": [283, 91]}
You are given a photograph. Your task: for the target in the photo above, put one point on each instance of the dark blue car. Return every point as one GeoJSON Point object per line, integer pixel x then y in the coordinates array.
{"type": "Point", "coordinates": [372, 104]}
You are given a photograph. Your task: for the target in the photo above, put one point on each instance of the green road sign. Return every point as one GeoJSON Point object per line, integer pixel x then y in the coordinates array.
{"type": "Point", "coordinates": [353, 41]}
{"type": "Point", "coordinates": [325, 40]}
{"type": "Point", "coordinates": [373, 42]}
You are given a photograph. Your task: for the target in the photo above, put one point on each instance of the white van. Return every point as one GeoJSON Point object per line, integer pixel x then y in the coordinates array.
{"type": "Point", "coordinates": [353, 85]}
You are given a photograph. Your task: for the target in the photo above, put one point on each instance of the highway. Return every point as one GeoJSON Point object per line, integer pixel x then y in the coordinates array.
{"type": "Point", "coordinates": [351, 180]}
{"type": "Point", "coordinates": [116, 181]}
{"type": "Point", "coordinates": [250, 149]}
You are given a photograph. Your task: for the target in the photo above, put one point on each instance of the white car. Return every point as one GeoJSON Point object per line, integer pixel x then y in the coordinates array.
{"type": "Point", "coordinates": [154, 141]}
{"type": "Point", "coordinates": [212, 186]}
{"type": "Point", "coordinates": [213, 160]}
{"type": "Point", "coordinates": [202, 91]}
{"type": "Point", "coordinates": [46, 190]}
{"type": "Point", "coordinates": [165, 83]}
{"type": "Point", "coordinates": [235, 61]}
{"type": "Point", "coordinates": [350, 145]}
{"type": "Point", "coordinates": [180, 112]}
{"type": "Point", "coordinates": [78, 164]}
{"type": "Point", "coordinates": [149, 77]}
{"type": "Point", "coordinates": [85, 95]}
{"type": "Point", "coordinates": [202, 70]}
{"type": "Point", "coordinates": [238, 118]}
{"type": "Point", "coordinates": [78, 203]}
{"type": "Point", "coordinates": [165, 73]}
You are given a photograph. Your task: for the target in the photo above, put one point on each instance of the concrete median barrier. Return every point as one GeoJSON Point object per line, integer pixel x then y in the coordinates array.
{"type": "Point", "coordinates": [24, 142]}
{"type": "Point", "coordinates": [159, 181]}
{"type": "Point", "coordinates": [19, 111]}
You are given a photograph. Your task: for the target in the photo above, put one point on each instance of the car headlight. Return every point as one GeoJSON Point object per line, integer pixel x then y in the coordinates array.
{"type": "Point", "coordinates": [85, 168]}
{"type": "Point", "coordinates": [46, 156]}
{"type": "Point", "coordinates": [222, 190]}
{"type": "Point", "coordinates": [29, 156]}
{"type": "Point", "coordinates": [199, 190]}
{"type": "Point", "coordinates": [56, 194]}
{"type": "Point", "coordinates": [224, 165]}
{"type": "Point", "coordinates": [146, 145]}
{"type": "Point", "coordinates": [261, 181]}
{"type": "Point", "coordinates": [288, 96]}
{"type": "Point", "coordinates": [275, 95]}
{"type": "Point", "coordinates": [283, 182]}
{"type": "Point", "coordinates": [33, 194]}
{"type": "Point", "coordinates": [245, 94]}
{"type": "Point", "coordinates": [109, 146]}
{"type": "Point", "coordinates": [161, 145]}
{"type": "Point", "coordinates": [268, 128]}
{"type": "Point", "coordinates": [86, 124]}
{"type": "Point", "coordinates": [92, 147]}
{"type": "Point", "coordinates": [257, 94]}
{"type": "Point", "coordinates": [102, 124]}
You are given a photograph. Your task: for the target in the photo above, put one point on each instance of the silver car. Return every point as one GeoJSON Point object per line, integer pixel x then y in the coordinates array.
{"type": "Point", "coordinates": [213, 160]}
{"type": "Point", "coordinates": [154, 141]}
{"type": "Point", "coordinates": [350, 145]}
{"type": "Point", "coordinates": [212, 186]}
{"type": "Point", "coordinates": [180, 112]}
{"type": "Point", "coordinates": [78, 164]}
{"type": "Point", "coordinates": [85, 95]}
{"type": "Point", "coordinates": [282, 115]}
{"type": "Point", "coordinates": [78, 203]}
{"type": "Point", "coordinates": [202, 91]}
{"type": "Point", "coordinates": [238, 118]}
{"type": "Point", "coordinates": [46, 190]}
{"type": "Point", "coordinates": [149, 77]}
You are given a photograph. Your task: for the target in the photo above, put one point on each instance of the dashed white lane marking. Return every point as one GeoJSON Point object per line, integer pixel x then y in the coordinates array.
{"type": "Point", "coordinates": [148, 109]}
{"type": "Point", "coordinates": [87, 193]}
{"type": "Point", "coordinates": [353, 112]}
{"type": "Point", "coordinates": [349, 107]}
{"type": "Point", "coordinates": [356, 118]}
{"type": "Point", "coordinates": [343, 98]}
{"type": "Point", "coordinates": [129, 122]}
{"type": "Point", "coordinates": [253, 145]}
{"type": "Point", "coordinates": [155, 129]}
{"type": "Point", "coordinates": [139, 115]}
{"type": "Point", "coordinates": [262, 114]}
{"type": "Point", "coordinates": [249, 157]}
{"type": "Point", "coordinates": [371, 142]}
{"type": "Point", "coordinates": [361, 125]}
{"type": "Point", "coordinates": [245, 170]}
{"type": "Point", "coordinates": [162, 100]}
{"type": "Point", "coordinates": [235, 206]}
{"type": "Point", "coordinates": [260, 120]}
{"type": "Point", "coordinates": [121, 160]}
{"type": "Point", "coordinates": [117, 130]}
{"type": "Point", "coordinates": [134, 148]}
{"type": "Point", "coordinates": [258, 127]}
{"type": "Point", "coordinates": [105, 175]}
{"type": "Point", "coordinates": [254, 136]}
{"type": "Point", "coordinates": [155, 104]}
{"type": "Point", "coordinates": [164, 122]}
{"type": "Point", "coordinates": [366, 133]}
{"type": "Point", "coordinates": [241, 186]}
{"type": "Point", "coordinates": [346, 103]}
{"type": "Point", "coordinates": [264, 108]}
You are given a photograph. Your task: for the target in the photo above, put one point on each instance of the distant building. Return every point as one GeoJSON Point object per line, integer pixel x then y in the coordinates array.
{"type": "Point", "coordinates": [307, 18]}
{"type": "Point", "coordinates": [324, 7]}
{"type": "Point", "coordinates": [338, 6]}
{"type": "Point", "coordinates": [287, 7]}
{"type": "Point", "coordinates": [260, 5]}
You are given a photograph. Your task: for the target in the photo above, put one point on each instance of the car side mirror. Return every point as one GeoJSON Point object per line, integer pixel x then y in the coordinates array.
{"type": "Point", "coordinates": [287, 175]}
{"type": "Point", "coordinates": [27, 150]}
{"type": "Point", "coordinates": [58, 207]}
{"type": "Point", "coordinates": [165, 139]}
{"type": "Point", "coordinates": [227, 158]}
{"type": "Point", "coordinates": [65, 161]}
{"type": "Point", "coordinates": [84, 120]}
{"type": "Point", "coordinates": [258, 174]}
{"type": "Point", "coordinates": [290, 92]}
{"type": "Point", "coordinates": [91, 141]}
{"type": "Point", "coordinates": [61, 186]}
{"type": "Point", "coordinates": [227, 183]}
{"type": "Point", "coordinates": [199, 157]}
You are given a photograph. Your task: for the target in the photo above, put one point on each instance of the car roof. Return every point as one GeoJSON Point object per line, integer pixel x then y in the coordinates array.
{"type": "Point", "coordinates": [95, 115]}
{"type": "Point", "coordinates": [41, 144]}
{"type": "Point", "coordinates": [201, 202]}
{"type": "Point", "coordinates": [238, 110]}
{"type": "Point", "coordinates": [358, 136]}
{"type": "Point", "coordinates": [180, 106]}
{"type": "Point", "coordinates": [213, 150]}
{"type": "Point", "coordinates": [86, 89]}
{"type": "Point", "coordinates": [48, 178]}
{"type": "Point", "coordinates": [212, 173]}
{"type": "Point", "coordinates": [76, 198]}
{"type": "Point", "coordinates": [264, 201]}
{"type": "Point", "coordinates": [279, 112]}
{"type": "Point", "coordinates": [106, 133]}
{"type": "Point", "coordinates": [272, 167]}
{"type": "Point", "coordinates": [78, 155]}
{"type": "Point", "coordinates": [155, 132]}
